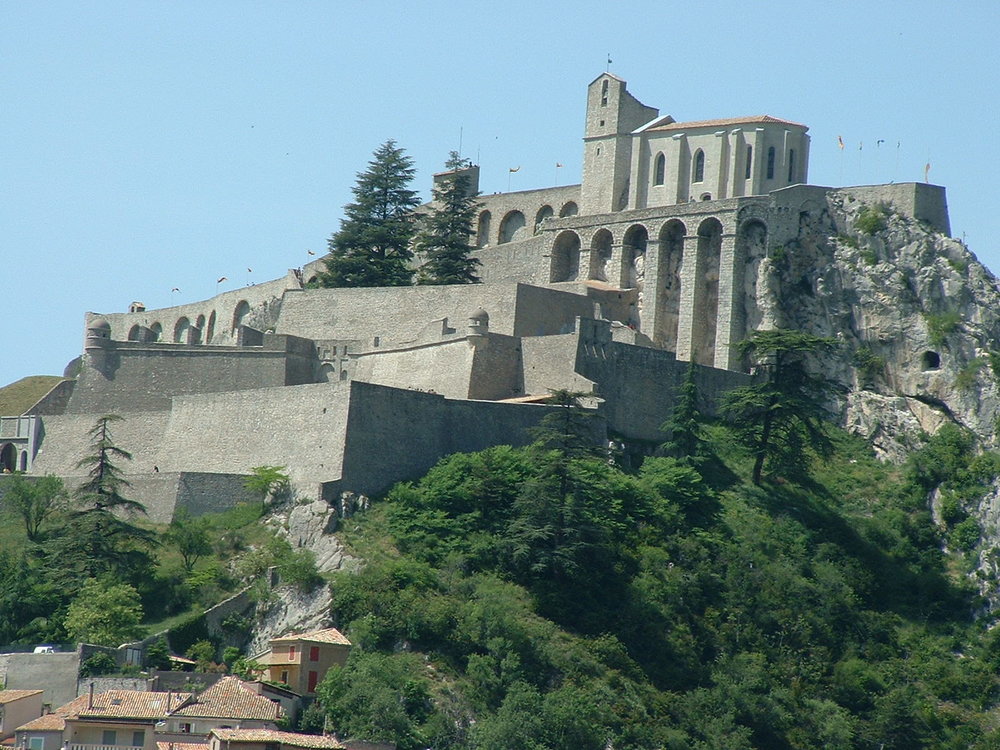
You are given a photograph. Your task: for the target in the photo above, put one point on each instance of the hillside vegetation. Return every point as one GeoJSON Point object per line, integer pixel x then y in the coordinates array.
{"type": "Point", "coordinates": [546, 598]}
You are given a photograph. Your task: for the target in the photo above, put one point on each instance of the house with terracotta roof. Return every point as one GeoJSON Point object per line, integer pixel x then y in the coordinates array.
{"type": "Point", "coordinates": [230, 703]}
{"type": "Point", "coordinates": [138, 719]}
{"type": "Point", "coordinates": [301, 660]}
{"type": "Point", "coordinates": [266, 739]}
{"type": "Point", "coordinates": [18, 707]}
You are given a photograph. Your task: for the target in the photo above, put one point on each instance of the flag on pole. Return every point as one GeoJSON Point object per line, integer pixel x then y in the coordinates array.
{"type": "Point", "coordinates": [927, 171]}
{"type": "Point", "coordinates": [514, 169]}
{"type": "Point", "coordinates": [249, 270]}
{"type": "Point", "coordinates": [840, 142]}
{"type": "Point", "coordinates": [221, 279]}
{"type": "Point", "coordinates": [558, 165]}
{"type": "Point", "coordinates": [310, 252]}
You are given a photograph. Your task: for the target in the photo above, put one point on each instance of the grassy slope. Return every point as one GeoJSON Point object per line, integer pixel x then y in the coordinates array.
{"type": "Point", "coordinates": [20, 396]}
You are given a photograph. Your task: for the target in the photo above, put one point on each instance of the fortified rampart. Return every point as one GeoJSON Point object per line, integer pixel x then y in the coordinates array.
{"type": "Point", "coordinates": [658, 258]}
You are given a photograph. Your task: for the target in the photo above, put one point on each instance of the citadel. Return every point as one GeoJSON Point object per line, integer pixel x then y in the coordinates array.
{"type": "Point", "coordinates": [611, 287]}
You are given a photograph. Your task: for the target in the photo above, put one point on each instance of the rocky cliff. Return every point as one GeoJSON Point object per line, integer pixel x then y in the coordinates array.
{"type": "Point", "coordinates": [917, 315]}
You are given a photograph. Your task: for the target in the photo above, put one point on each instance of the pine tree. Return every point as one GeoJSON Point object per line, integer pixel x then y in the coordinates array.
{"type": "Point", "coordinates": [445, 237]}
{"type": "Point", "coordinates": [372, 247]}
{"type": "Point", "coordinates": [684, 425]}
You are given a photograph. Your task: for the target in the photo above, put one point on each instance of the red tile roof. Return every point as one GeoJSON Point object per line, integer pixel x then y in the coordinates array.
{"type": "Point", "coordinates": [231, 698]}
{"type": "Point", "coordinates": [129, 704]}
{"type": "Point", "coordinates": [330, 635]}
{"type": "Point", "coordinates": [292, 739]}
{"type": "Point", "coordinates": [725, 121]}
{"type": "Point", "coordinates": [9, 696]}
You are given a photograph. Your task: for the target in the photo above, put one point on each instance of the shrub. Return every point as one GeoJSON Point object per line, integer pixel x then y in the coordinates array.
{"type": "Point", "coordinates": [869, 364]}
{"type": "Point", "coordinates": [941, 325]}
{"type": "Point", "coordinates": [872, 219]}
{"type": "Point", "coordinates": [966, 377]}
{"type": "Point", "coordinates": [98, 664]}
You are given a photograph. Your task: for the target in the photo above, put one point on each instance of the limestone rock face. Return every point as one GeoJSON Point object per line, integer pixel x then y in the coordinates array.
{"type": "Point", "coordinates": [289, 609]}
{"type": "Point", "coordinates": [916, 314]}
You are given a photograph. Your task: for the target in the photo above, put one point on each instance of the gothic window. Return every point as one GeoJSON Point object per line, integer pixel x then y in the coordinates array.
{"type": "Point", "coordinates": [770, 163]}
{"type": "Point", "coordinates": [604, 93]}
{"type": "Point", "coordinates": [749, 168]}
{"type": "Point", "coordinates": [791, 164]}
{"type": "Point", "coordinates": [699, 166]}
{"type": "Point", "coordinates": [659, 169]}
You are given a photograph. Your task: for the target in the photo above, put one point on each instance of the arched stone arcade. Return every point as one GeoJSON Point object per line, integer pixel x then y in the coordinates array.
{"type": "Point", "coordinates": [600, 255]}
{"type": "Point", "coordinates": [705, 314]}
{"type": "Point", "coordinates": [670, 258]}
{"type": "Point", "coordinates": [511, 227]}
{"type": "Point", "coordinates": [565, 265]}
{"type": "Point", "coordinates": [8, 458]}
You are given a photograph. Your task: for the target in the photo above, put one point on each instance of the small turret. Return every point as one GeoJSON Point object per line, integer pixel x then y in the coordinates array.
{"type": "Point", "coordinates": [479, 325]}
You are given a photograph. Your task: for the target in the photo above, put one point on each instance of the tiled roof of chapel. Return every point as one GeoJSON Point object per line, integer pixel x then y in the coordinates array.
{"type": "Point", "coordinates": [725, 122]}
{"type": "Point", "coordinates": [329, 635]}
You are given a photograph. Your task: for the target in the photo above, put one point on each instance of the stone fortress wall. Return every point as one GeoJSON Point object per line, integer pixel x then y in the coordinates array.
{"type": "Point", "coordinates": [610, 287]}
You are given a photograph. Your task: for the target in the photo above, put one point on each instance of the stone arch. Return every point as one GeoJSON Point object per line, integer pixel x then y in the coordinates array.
{"type": "Point", "coordinates": [751, 247]}
{"type": "Point", "coordinates": [600, 255]}
{"type": "Point", "coordinates": [668, 283]}
{"type": "Point", "coordinates": [659, 169]}
{"type": "Point", "coordinates": [930, 361]}
{"type": "Point", "coordinates": [156, 332]}
{"type": "Point", "coordinates": [511, 226]}
{"type": "Point", "coordinates": [211, 328]}
{"type": "Point", "coordinates": [199, 327]}
{"type": "Point", "coordinates": [706, 292]}
{"type": "Point", "coordinates": [135, 333]}
{"type": "Point", "coordinates": [634, 255]}
{"type": "Point", "coordinates": [327, 373]}
{"type": "Point", "coordinates": [569, 209]}
{"type": "Point", "coordinates": [698, 168]}
{"type": "Point", "coordinates": [565, 257]}
{"type": "Point", "coordinates": [240, 314]}
{"type": "Point", "coordinates": [23, 462]}
{"type": "Point", "coordinates": [483, 229]}
{"type": "Point", "coordinates": [182, 329]}
{"type": "Point", "coordinates": [544, 213]}
{"type": "Point", "coordinates": [8, 458]}
{"type": "Point", "coordinates": [705, 197]}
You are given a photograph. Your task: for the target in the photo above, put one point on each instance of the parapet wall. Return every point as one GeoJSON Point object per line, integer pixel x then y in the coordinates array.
{"type": "Point", "coordinates": [422, 428]}
{"type": "Point", "coordinates": [132, 376]}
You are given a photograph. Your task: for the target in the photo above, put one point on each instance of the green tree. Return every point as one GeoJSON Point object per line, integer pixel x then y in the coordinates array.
{"type": "Point", "coordinates": [372, 247]}
{"type": "Point", "coordinates": [444, 239]}
{"type": "Point", "coordinates": [98, 538]}
{"type": "Point", "coordinates": [267, 481]}
{"type": "Point", "coordinates": [780, 416]}
{"type": "Point", "coordinates": [35, 501]}
{"type": "Point", "coordinates": [190, 537]}
{"type": "Point", "coordinates": [683, 428]}
{"type": "Point", "coordinates": [105, 614]}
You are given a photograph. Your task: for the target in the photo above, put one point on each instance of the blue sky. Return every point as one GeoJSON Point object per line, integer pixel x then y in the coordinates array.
{"type": "Point", "coordinates": [152, 145]}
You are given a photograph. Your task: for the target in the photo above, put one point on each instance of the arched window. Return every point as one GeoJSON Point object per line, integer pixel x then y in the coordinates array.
{"type": "Point", "coordinates": [211, 328]}
{"type": "Point", "coordinates": [135, 333]}
{"type": "Point", "coordinates": [241, 311]}
{"type": "Point", "coordinates": [565, 257]}
{"type": "Point", "coordinates": [156, 331]}
{"type": "Point", "coordinates": [604, 93]}
{"type": "Point", "coordinates": [749, 169]}
{"type": "Point", "coordinates": [544, 213]}
{"type": "Point", "coordinates": [181, 330]}
{"type": "Point", "coordinates": [511, 226]}
{"type": "Point", "coordinates": [660, 169]}
{"type": "Point", "coordinates": [791, 164]}
{"type": "Point", "coordinates": [483, 231]}
{"type": "Point", "coordinates": [770, 163]}
{"type": "Point", "coordinates": [699, 166]}
{"type": "Point", "coordinates": [569, 209]}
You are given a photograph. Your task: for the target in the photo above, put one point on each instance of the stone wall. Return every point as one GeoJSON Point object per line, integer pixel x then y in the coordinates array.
{"type": "Point", "coordinates": [444, 367]}
{"type": "Point", "coordinates": [55, 673]}
{"type": "Point", "coordinates": [639, 384]}
{"type": "Point", "coordinates": [422, 428]}
{"type": "Point", "coordinates": [128, 376]}
{"type": "Point", "coordinates": [54, 402]}
{"type": "Point", "coordinates": [549, 365]}
{"type": "Point", "coordinates": [65, 441]}
{"type": "Point", "coordinates": [301, 427]}
{"type": "Point", "coordinates": [921, 201]}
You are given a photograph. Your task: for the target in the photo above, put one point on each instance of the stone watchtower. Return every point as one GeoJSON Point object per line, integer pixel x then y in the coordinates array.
{"type": "Point", "coordinates": [612, 115]}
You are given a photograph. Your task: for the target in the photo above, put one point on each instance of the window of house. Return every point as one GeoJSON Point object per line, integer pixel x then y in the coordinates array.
{"type": "Point", "coordinates": [138, 738]}
{"type": "Point", "coordinates": [284, 676]}
{"type": "Point", "coordinates": [749, 169]}
{"type": "Point", "coordinates": [313, 679]}
{"type": "Point", "coordinates": [291, 652]}
{"type": "Point", "coordinates": [314, 653]}
{"type": "Point", "coordinates": [659, 170]}
{"type": "Point", "coordinates": [770, 163]}
{"type": "Point", "coordinates": [36, 743]}
{"type": "Point", "coordinates": [109, 737]}
{"type": "Point", "coordinates": [699, 166]}
{"type": "Point", "coordinates": [791, 164]}
{"type": "Point", "coordinates": [185, 727]}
